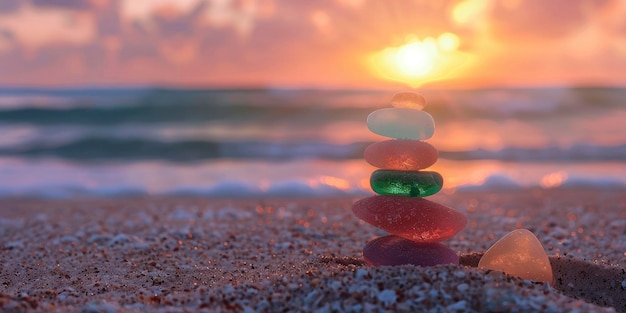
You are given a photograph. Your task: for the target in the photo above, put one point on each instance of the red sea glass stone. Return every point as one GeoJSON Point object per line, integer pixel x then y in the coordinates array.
{"type": "Point", "coordinates": [415, 219]}
{"type": "Point", "coordinates": [401, 155]}
{"type": "Point", "coordinates": [393, 250]}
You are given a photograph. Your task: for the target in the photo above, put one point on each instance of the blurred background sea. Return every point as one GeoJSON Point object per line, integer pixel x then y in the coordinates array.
{"type": "Point", "coordinates": [293, 142]}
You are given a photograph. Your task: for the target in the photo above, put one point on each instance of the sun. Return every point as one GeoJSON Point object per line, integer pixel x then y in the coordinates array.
{"type": "Point", "coordinates": [416, 61]}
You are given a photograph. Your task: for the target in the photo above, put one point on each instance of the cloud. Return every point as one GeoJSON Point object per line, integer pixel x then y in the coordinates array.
{"type": "Point", "coordinates": [9, 6]}
{"type": "Point", "coordinates": [33, 27]}
{"type": "Point", "coordinates": [239, 15]}
{"type": "Point", "coordinates": [541, 20]}
{"type": "Point", "coordinates": [144, 11]}
{"type": "Point", "coordinates": [299, 42]}
{"type": "Point", "coordinates": [352, 3]}
{"type": "Point", "coordinates": [63, 4]}
{"type": "Point", "coordinates": [181, 25]}
{"type": "Point", "coordinates": [611, 16]}
{"type": "Point", "coordinates": [109, 20]}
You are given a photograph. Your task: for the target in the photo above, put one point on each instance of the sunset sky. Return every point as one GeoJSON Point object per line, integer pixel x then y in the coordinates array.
{"type": "Point", "coordinates": [322, 43]}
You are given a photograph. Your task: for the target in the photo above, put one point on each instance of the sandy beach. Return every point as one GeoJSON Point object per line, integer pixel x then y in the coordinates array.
{"type": "Point", "coordinates": [292, 255]}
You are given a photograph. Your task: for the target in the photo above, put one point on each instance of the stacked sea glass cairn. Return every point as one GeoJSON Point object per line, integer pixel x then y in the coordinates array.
{"type": "Point", "coordinates": [417, 226]}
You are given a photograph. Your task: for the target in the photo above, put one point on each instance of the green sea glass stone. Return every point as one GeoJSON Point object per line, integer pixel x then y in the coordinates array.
{"type": "Point", "coordinates": [406, 183]}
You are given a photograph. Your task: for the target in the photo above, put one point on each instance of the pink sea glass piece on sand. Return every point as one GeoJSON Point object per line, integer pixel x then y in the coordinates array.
{"type": "Point", "coordinates": [408, 99]}
{"type": "Point", "coordinates": [415, 219]}
{"type": "Point", "coordinates": [393, 250]}
{"type": "Point", "coordinates": [402, 155]}
{"type": "Point", "coordinates": [520, 254]}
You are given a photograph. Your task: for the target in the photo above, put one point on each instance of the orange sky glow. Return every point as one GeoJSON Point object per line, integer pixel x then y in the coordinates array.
{"type": "Point", "coordinates": [325, 44]}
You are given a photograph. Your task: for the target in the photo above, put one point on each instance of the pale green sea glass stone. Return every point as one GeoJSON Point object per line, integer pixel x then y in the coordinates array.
{"type": "Point", "coordinates": [401, 123]}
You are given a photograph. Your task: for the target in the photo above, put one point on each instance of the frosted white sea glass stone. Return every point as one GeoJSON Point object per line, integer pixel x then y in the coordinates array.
{"type": "Point", "coordinates": [401, 123]}
{"type": "Point", "coordinates": [520, 254]}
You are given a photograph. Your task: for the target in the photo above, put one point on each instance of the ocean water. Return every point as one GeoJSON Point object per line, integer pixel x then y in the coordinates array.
{"type": "Point", "coordinates": [274, 142]}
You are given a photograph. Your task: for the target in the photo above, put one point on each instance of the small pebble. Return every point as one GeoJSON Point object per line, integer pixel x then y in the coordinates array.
{"type": "Point", "coordinates": [408, 99]}
{"type": "Point", "coordinates": [360, 273]}
{"type": "Point", "coordinates": [387, 297]}
{"type": "Point", "coordinates": [462, 287]}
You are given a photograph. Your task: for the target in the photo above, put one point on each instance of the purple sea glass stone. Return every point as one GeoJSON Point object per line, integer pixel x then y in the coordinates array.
{"type": "Point", "coordinates": [393, 250]}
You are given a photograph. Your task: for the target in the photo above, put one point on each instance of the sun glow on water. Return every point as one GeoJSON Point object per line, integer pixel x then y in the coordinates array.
{"type": "Point", "coordinates": [417, 61]}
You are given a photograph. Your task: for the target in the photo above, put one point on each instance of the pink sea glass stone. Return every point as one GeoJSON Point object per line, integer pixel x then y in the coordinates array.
{"type": "Point", "coordinates": [415, 219]}
{"type": "Point", "coordinates": [402, 155]}
{"type": "Point", "coordinates": [520, 254]}
{"type": "Point", "coordinates": [409, 100]}
{"type": "Point", "coordinates": [393, 250]}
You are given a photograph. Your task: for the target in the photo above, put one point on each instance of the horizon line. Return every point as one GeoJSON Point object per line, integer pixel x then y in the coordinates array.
{"type": "Point", "coordinates": [173, 87]}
